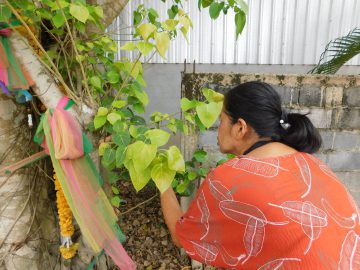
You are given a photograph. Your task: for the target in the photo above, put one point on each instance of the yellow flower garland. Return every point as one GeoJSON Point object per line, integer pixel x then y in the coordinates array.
{"type": "Point", "coordinates": [68, 248]}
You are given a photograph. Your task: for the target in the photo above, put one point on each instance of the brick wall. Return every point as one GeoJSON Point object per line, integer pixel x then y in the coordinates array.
{"type": "Point", "coordinates": [333, 104]}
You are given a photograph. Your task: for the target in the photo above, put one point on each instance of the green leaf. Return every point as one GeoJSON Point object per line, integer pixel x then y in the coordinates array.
{"type": "Point", "coordinates": [186, 22]}
{"type": "Point", "coordinates": [206, 3]}
{"type": "Point", "coordinates": [5, 13]}
{"type": "Point", "coordinates": [212, 96]}
{"type": "Point", "coordinates": [184, 32]}
{"type": "Point", "coordinates": [141, 80]}
{"type": "Point", "coordinates": [171, 24]}
{"type": "Point", "coordinates": [215, 9]}
{"type": "Point", "coordinates": [99, 11]}
{"type": "Point", "coordinates": [190, 117]}
{"type": "Point", "coordinates": [113, 117]}
{"type": "Point", "coordinates": [208, 113]}
{"type": "Point", "coordinates": [58, 5]}
{"type": "Point", "coordinates": [102, 111]}
{"type": "Point", "coordinates": [133, 131]}
{"type": "Point", "coordinates": [119, 103]}
{"type": "Point", "coordinates": [162, 176]}
{"type": "Point", "coordinates": [128, 46]}
{"type": "Point", "coordinates": [199, 124]}
{"type": "Point", "coordinates": [145, 30]}
{"type": "Point", "coordinates": [200, 156]}
{"type": "Point", "coordinates": [240, 20]}
{"type": "Point", "coordinates": [142, 96]}
{"type": "Point", "coordinates": [187, 104]}
{"type": "Point", "coordinates": [172, 127]}
{"type": "Point", "coordinates": [102, 148]}
{"type": "Point", "coordinates": [162, 43]}
{"type": "Point", "coordinates": [79, 12]}
{"type": "Point", "coordinates": [171, 13]}
{"type": "Point", "coordinates": [142, 154]}
{"type": "Point", "coordinates": [138, 178]}
{"type": "Point", "coordinates": [122, 138]}
{"type": "Point", "coordinates": [244, 6]}
{"type": "Point", "coordinates": [108, 159]}
{"type": "Point", "coordinates": [203, 172]}
{"type": "Point", "coordinates": [115, 190]}
{"type": "Point", "coordinates": [58, 20]}
{"type": "Point", "coordinates": [157, 136]}
{"type": "Point", "coordinates": [113, 76]}
{"type": "Point", "coordinates": [112, 177]}
{"type": "Point", "coordinates": [99, 121]}
{"type": "Point", "coordinates": [119, 126]}
{"type": "Point", "coordinates": [192, 175]}
{"type": "Point", "coordinates": [96, 82]}
{"type": "Point", "coordinates": [115, 201]}
{"type": "Point", "coordinates": [181, 188]}
{"type": "Point", "coordinates": [144, 47]}
{"type": "Point", "coordinates": [120, 156]}
{"type": "Point", "coordinates": [175, 159]}
{"type": "Point", "coordinates": [152, 15]}
{"type": "Point", "coordinates": [137, 17]}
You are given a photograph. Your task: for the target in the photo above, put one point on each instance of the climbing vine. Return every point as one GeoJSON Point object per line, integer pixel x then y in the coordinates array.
{"type": "Point", "coordinates": [77, 50]}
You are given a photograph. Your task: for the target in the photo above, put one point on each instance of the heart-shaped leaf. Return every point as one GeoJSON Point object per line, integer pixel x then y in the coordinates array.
{"type": "Point", "coordinates": [175, 159]}
{"type": "Point", "coordinates": [208, 113]}
{"type": "Point", "coordinates": [162, 176]}
{"type": "Point", "coordinates": [145, 47]}
{"type": "Point", "coordinates": [157, 136]}
{"type": "Point", "coordinates": [212, 95]}
{"type": "Point", "coordinates": [187, 104]}
{"type": "Point", "coordinates": [79, 12]}
{"type": "Point", "coordinates": [113, 117]}
{"type": "Point", "coordinates": [162, 43]}
{"type": "Point", "coordinates": [145, 30]}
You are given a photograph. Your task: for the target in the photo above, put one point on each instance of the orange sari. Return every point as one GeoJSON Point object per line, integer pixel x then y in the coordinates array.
{"type": "Point", "coordinates": [289, 212]}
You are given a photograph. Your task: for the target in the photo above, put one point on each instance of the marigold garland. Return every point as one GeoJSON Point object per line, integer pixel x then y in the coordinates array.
{"type": "Point", "coordinates": [68, 248]}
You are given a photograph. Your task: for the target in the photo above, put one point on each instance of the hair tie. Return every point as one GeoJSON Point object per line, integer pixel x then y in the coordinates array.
{"type": "Point", "coordinates": [284, 125]}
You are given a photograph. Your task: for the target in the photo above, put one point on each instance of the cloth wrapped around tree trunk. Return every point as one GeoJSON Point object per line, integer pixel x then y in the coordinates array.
{"type": "Point", "coordinates": [13, 77]}
{"type": "Point", "coordinates": [61, 136]}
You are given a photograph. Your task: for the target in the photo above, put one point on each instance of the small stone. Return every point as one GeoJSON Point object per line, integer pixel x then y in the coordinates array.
{"type": "Point", "coordinates": [148, 241]}
{"type": "Point", "coordinates": [163, 232]}
{"type": "Point", "coordinates": [146, 263]}
{"type": "Point", "coordinates": [164, 242]}
{"type": "Point", "coordinates": [136, 223]}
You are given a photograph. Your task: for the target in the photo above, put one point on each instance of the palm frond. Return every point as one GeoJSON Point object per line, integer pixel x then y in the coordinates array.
{"type": "Point", "coordinates": [338, 52]}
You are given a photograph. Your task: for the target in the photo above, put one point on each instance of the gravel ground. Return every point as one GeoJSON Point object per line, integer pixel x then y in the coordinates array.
{"type": "Point", "coordinates": [149, 242]}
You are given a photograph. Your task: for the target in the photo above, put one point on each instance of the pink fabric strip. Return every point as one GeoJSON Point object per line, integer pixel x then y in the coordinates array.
{"type": "Point", "coordinates": [62, 103]}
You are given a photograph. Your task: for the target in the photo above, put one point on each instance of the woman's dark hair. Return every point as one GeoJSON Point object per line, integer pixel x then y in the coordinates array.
{"type": "Point", "coordinates": [260, 106]}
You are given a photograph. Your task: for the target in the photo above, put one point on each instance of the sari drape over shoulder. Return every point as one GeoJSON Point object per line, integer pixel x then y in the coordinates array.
{"type": "Point", "coordinates": [289, 212]}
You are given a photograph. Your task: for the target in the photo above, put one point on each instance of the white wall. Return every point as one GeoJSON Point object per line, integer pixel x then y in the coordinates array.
{"type": "Point", "coordinates": [292, 32]}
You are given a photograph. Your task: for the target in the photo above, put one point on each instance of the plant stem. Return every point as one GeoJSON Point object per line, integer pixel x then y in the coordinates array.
{"type": "Point", "coordinates": [127, 77]}
{"type": "Point", "coordinates": [138, 205]}
{"type": "Point", "coordinates": [77, 54]}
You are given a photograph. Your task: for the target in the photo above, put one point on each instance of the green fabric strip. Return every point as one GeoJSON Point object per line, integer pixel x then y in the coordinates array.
{"type": "Point", "coordinates": [92, 263]}
{"type": "Point", "coordinates": [12, 60]}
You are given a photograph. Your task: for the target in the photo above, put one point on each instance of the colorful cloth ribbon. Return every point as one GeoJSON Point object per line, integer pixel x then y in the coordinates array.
{"type": "Point", "coordinates": [13, 77]}
{"type": "Point", "coordinates": [61, 136]}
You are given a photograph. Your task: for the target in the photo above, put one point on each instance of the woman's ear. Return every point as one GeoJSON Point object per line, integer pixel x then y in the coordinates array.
{"type": "Point", "coordinates": [240, 128]}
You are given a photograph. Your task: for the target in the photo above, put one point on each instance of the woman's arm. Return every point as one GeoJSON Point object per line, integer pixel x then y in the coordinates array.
{"type": "Point", "coordinates": [172, 212]}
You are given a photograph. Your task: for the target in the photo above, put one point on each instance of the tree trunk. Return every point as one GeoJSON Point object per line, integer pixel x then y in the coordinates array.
{"type": "Point", "coordinates": [28, 235]}
{"type": "Point", "coordinates": [111, 8]}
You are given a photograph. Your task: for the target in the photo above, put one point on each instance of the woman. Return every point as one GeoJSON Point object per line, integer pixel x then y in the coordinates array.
{"type": "Point", "coordinates": [274, 206]}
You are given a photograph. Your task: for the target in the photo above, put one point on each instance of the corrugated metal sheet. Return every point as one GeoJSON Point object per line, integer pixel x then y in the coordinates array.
{"type": "Point", "coordinates": [277, 32]}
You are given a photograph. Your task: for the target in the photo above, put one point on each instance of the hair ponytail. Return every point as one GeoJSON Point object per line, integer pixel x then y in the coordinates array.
{"type": "Point", "coordinates": [301, 135]}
